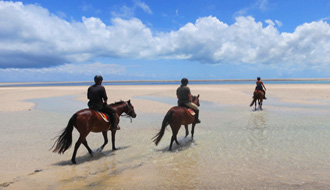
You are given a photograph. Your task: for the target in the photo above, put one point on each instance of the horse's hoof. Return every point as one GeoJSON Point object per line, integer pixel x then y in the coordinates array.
{"type": "Point", "coordinates": [73, 162]}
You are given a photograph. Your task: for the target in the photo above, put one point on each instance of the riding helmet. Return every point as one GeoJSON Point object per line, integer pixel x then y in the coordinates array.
{"type": "Point", "coordinates": [98, 78]}
{"type": "Point", "coordinates": [184, 81]}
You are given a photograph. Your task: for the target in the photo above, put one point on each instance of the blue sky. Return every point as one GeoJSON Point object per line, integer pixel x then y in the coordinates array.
{"type": "Point", "coordinates": [163, 40]}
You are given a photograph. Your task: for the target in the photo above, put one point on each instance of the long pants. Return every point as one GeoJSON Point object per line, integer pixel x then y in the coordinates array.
{"type": "Point", "coordinates": [192, 106]}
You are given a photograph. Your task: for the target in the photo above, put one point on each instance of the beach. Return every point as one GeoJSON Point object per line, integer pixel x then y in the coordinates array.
{"type": "Point", "coordinates": [284, 146]}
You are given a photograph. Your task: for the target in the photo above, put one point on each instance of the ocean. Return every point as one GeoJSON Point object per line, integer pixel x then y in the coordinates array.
{"type": "Point", "coordinates": [168, 82]}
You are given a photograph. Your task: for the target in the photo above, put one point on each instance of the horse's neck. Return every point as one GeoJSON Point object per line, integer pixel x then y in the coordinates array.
{"type": "Point", "coordinates": [120, 109]}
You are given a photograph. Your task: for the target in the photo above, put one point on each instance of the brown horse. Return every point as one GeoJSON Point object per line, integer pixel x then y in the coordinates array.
{"type": "Point", "coordinates": [86, 121]}
{"type": "Point", "coordinates": [257, 95]}
{"type": "Point", "coordinates": [175, 117]}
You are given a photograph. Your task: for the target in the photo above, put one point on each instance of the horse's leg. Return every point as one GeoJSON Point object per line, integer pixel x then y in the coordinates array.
{"type": "Point", "coordinates": [193, 130]}
{"type": "Point", "coordinates": [187, 131]}
{"type": "Point", "coordinates": [175, 129]}
{"type": "Point", "coordinates": [113, 135]}
{"type": "Point", "coordinates": [105, 136]}
{"type": "Point", "coordinates": [79, 141]}
{"type": "Point", "coordinates": [172, 139]}
{"type": "Point", "coordinates": [86, 145]}
{"type": "Point", "coordinates": [176, 140]}
{"type": "Point", "coordinates": [255, 105]}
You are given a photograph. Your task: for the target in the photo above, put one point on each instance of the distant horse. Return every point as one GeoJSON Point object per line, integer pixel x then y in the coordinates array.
{"type": "Point", "coordinates": [175, 117]}
{"type": "Point", "coordinates": [86, 121]}
{"type": "Point", "coordinates": [257, 95]}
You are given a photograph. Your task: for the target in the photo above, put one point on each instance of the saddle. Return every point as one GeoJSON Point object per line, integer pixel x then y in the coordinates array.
{"type": "Point", "coordinates": [257, 91]}
{"type": "Point", "coordinates": [191, 111]}
{"type": "Point", "coordinates": [104, 116]}
{"type": "Point", "coordinates": [188, 109]}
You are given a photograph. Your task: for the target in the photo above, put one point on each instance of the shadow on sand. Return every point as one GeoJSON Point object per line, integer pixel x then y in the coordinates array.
{"type": "Point", "coordinates": [184, 144]}
{"type": "Point", "coordinates": [87, 157]}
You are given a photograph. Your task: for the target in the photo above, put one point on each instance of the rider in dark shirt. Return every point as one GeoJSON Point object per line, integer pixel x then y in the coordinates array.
{"type": "Point", "coordinates": [261, 86]}
{"type": "Point", "coordinates": [184, 98]}
{"type": "Point", "coordinates": [98, 100]}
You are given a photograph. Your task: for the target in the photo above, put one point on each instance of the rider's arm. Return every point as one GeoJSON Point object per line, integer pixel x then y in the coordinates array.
{"type": "Point", "coordinates": [88, 97]}
{"type": "Point", "coordinates": [263, 86]}
{"type": "Point", "coordinates": [104, 96]}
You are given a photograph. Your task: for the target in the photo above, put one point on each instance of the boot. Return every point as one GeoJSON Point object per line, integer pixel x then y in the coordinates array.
{"type": "Point", "coordinates": [196, 117]}
{"type": "Point", "coordinates": [113, 122]}
{"type": "Point", "coordinates": [264, 95]}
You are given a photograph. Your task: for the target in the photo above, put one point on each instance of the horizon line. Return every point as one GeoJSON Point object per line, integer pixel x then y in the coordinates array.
{"type": "Point", "coordinates": [155, 81]}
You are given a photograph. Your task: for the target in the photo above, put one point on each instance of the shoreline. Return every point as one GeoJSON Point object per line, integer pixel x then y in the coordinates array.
{"type": "Point", "coordinates": [146, 82]}
{"type": "Point", "coordinates": [18, 98]}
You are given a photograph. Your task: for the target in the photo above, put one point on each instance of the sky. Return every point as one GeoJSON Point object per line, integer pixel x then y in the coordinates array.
{"type": "Point", "coordinates": [73, 40]}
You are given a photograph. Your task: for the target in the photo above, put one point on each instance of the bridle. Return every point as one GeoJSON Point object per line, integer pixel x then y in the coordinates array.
{"type": "Point", "coordinates": [129, 113]}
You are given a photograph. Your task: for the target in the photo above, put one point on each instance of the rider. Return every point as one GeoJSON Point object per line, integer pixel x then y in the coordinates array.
{"type": "Point", "coordinates": [261, 86]}
{"type": "Point", "coordinates": [185, 98]}
{"type": "Point", "coordinates": [98, 100]}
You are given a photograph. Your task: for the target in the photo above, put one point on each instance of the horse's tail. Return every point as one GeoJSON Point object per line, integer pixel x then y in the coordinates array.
{"type": "Point", "coordinates": [253, 101]}
{"type": "Point", "coordinates": [254, 97]}
{"type": "Point", "coordinates": [166, 121]}
{"type": "Point", "coordinates": [64, 141]}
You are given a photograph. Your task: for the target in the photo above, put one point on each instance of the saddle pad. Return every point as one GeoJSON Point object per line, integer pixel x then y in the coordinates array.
{"type": "Point", "coordinates": [104, 116]}
{"type": "Point", "coordinates": [191, 111]}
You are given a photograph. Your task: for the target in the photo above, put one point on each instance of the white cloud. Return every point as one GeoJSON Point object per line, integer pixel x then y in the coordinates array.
{"type": "Point", "coordinates": [128, 12]}
{"type": "Point", "coordinates": [270, 22]}
{"type": "Point", "coordinates": [71, 72]}
{"type": "Point", "coordinates": [279, 23]}
{"type": "Point", "coordinates": [261, 5]}
{"type": "Point", "coordinates": [143, 6]}
{"type": "Point", "coordinates": [30, 36]}
{"type": "Point", "coordinates": [124, 12]}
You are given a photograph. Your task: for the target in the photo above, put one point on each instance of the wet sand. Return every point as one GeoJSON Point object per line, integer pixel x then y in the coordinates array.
{"type": "Point", "coordinates": [285, 146]}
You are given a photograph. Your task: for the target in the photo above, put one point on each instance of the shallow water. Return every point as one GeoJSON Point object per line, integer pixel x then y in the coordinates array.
{"type": "Point", "coordinates": [233, 148]}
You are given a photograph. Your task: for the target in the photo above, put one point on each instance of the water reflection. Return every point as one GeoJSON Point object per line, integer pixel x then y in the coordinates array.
{"type": "Point", "coordinates": [257, 131]}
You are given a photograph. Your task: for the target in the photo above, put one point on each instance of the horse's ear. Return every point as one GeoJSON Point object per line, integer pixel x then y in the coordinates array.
{"type": "Point", "coordinates": [129, 101]}
{"type": "Point", "coordinates": [198, 96]}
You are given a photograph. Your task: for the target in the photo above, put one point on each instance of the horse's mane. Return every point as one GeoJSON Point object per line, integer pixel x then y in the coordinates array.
{"type": "Point", "coordinates": [116, 103]}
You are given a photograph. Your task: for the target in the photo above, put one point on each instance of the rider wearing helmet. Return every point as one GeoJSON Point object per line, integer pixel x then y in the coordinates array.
{"type": "Point", "coordinates": [261, 86]}
{"type": "Point", "coordinates": [185, 98]}
{"type": "Point", "coordinates": [98, 100]}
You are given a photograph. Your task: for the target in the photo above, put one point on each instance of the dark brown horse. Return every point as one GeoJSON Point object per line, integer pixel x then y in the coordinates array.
{"type": "Point", "coordinates": [258, 95]}
{"type": "Point", "coordinates": [86, 121]}
{"type": "Point", "coordinates": [175, 117]}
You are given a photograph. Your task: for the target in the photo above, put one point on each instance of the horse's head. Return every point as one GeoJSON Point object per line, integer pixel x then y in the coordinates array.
{"type": "Point", "coordinates": [130, 109]}
{"type": "Point", "coordinates": [195, 100]}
